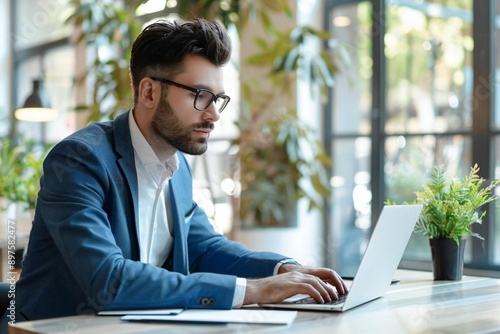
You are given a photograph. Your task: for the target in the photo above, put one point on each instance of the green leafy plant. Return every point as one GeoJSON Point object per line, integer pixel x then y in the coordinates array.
{"type": "Point", "coordinates": [32, 171]}
{"type": "Point", "coordinates": [285, 53]}
{"type": "Point", "coordinates": [281, 161]}
{"type": "Point", "coordinates": [10, 171]}
{"type": "Point", "coordinates": [21, 169]}
{"type": "Point", "coordinates": [281, 157]}
{"type": "Point", "coordinates": [450, 210]}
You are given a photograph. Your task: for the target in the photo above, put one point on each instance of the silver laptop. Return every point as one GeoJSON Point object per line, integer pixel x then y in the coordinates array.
{"type": "Point", "coordinates": [378, 265]}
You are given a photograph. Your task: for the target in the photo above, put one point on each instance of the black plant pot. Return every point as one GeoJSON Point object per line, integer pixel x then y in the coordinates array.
{"type": "Point", "coordinates": [447, 259]}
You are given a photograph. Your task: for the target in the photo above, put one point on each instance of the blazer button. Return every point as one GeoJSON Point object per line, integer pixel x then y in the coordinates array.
{"type": "Point", "coordinates": [207, 301]}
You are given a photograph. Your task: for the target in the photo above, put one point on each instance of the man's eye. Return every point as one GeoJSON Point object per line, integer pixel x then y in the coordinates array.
{"type": "Point", "coordinates": [204, 96]}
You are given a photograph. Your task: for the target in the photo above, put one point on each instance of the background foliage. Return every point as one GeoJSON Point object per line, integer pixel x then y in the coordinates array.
{"type": "Point", "coordinates": [20, 171]}
{"type": "Point", "coordinates": [277, 152]}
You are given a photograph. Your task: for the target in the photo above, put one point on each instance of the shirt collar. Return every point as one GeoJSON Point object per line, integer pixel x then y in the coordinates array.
{"type": "Point", "coordinates": [145, 152]}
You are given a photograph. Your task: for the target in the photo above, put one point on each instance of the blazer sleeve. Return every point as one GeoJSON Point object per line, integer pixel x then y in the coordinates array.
{"type": "Point", "coordinates": [210, 251]}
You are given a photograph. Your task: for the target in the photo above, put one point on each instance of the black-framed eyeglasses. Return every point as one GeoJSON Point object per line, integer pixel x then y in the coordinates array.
{"type": "Point", "coordinates": [203, 97]}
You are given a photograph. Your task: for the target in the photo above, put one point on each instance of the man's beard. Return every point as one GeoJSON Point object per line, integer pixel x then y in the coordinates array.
{"type": "Point", "coordinates": [166, 126]}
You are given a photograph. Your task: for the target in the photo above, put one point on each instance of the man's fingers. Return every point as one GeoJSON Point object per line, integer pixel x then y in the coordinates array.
{"type": "Point", "coordinates": [333, 278]}
{"type": "Point", "coordinates": [322, 285]}
{"type": "Point", "coordinates": [340, 284]}
{"type": "Point", "coordinates": [318, 289]}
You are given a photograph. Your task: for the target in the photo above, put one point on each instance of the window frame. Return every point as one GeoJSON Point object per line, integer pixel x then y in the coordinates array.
{"type": "Point", "coordinates": [482, 132]}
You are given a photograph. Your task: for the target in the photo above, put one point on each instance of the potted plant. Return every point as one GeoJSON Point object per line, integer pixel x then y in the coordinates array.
{"type": "Point", "coordinates": [449, 211]}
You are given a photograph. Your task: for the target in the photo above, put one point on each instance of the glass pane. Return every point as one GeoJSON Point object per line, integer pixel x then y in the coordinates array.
{"type": "Point", "coordinates": [410, 159]}
{"type": "Point", "coordinates": [407, 166]}
{"type": "Point", "coordinates": [351, 101]}
{"type": "Point", "coordinates": [38, 22]}
{"type": "Point", "coordinates": [350, 26]}
{"type": "Point", "coordinates": [351, 213]}
{"type": "Point", "coordinates": [429, 66]}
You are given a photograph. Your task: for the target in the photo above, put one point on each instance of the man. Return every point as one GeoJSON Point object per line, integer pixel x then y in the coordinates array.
{"type": "Point", "coordinates": [116, 226]}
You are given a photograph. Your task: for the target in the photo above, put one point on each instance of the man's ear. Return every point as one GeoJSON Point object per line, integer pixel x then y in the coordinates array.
{"type": "Point", "coordinates": [148, 93]}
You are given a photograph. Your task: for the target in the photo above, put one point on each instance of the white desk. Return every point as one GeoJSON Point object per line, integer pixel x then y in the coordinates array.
{"type": "Point", "coordinates": [416, 305]}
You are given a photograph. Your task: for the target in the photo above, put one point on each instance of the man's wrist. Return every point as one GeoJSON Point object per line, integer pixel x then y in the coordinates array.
{"type": "Point", "coordinates": [287, 267]}
{"type": "Point", "coordinates": [289, 263]}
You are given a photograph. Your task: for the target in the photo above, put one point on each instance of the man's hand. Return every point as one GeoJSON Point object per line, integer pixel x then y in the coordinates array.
{"type": "Point", "coordinates": [320, 283]}
{"type": "Point", "coordinates": [325, 274]}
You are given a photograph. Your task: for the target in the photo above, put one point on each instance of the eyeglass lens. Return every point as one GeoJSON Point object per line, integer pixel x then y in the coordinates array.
{"type": "Point", "coordinates": [205, 98]}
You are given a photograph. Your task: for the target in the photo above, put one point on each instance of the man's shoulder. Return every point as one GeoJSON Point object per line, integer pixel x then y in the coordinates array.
{"type": "Point", "coordinates": [98, 135]}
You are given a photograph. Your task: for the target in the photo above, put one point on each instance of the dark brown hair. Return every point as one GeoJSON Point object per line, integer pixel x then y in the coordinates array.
{"type": "Point", "coordinates": [162, 46]}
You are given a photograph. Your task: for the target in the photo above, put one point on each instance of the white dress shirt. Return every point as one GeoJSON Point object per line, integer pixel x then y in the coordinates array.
{"type": "Point", "coordinates": [155, 232]}
{"type": "Point", "coordinates": [155, 235]}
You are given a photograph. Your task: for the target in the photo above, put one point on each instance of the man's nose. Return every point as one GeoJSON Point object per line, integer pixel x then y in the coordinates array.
{"type": "Point", "coordinates": [211, 113]}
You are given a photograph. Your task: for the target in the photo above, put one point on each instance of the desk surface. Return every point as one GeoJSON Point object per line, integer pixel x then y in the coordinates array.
{"type": "Point", "coordinates": [416, 305]}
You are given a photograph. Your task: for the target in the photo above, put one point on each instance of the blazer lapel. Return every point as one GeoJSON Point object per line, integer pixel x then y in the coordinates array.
{"type": "Point", "coordinates": [180, 256]}
{"type": "Point", "coordinates": [126, 161]}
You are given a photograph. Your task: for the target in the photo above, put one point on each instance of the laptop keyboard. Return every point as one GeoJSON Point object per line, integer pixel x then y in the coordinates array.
{"type": "Point", "coordinates": [311, 300]}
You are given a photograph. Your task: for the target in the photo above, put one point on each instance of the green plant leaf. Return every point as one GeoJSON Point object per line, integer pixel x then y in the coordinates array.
{"type": "Point", "coordinates": [450, 210]}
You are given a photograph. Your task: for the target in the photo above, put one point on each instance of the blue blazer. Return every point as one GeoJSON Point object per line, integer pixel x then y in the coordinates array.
{"type": "Point", "coordinates": [83, 252]}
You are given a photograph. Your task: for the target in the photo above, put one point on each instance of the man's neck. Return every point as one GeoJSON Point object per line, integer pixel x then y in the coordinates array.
{"type": "Point", "coordinates": [162, 149]}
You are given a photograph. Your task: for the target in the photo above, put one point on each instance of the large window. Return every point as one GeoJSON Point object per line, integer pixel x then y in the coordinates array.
{"type": "Point", "coordinates": [406, 103]}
